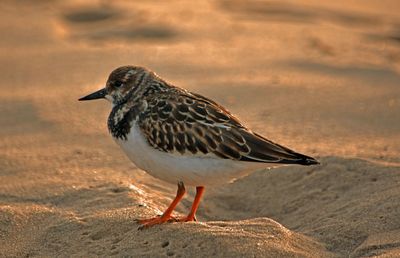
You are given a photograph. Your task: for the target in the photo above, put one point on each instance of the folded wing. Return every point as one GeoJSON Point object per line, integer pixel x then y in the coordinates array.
{"type": "Point", "coordinates": [191, 124]}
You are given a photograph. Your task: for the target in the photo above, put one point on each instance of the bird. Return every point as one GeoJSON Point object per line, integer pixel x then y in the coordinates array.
{"type": "Point", "coordinates": [182, 137]}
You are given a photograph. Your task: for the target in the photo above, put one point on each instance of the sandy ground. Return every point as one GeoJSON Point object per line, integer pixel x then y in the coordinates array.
{"type": "Point", "coordinates": [321, 77]}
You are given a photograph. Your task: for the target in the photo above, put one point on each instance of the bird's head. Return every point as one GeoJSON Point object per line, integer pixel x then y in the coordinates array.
{"type": "Point", "coordinates": [123, 82]}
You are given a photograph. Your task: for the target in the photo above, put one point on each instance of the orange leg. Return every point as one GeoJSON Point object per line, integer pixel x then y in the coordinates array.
{"type": "Point", "coordinates": [195, 205]}
{"type": "Point", "coordinates": [166, 216]}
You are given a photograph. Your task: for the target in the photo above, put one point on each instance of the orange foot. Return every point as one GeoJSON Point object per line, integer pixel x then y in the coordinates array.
{"type": "Point", "coordinates": [146, 223]}
{"type": "Point", "coordinates": [166, 217]}
{"type": "Point", "coordinates": [187, 219]}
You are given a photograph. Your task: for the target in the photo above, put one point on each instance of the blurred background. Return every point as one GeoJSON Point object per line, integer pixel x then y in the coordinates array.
{"type": "Point", "coordinates": [321, 77]}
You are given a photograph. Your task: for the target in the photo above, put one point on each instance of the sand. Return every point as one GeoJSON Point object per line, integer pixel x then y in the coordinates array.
{"type": "Point", "coordinates": [322, 78]}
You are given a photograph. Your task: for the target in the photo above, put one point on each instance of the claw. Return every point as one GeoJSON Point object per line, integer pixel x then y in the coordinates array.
{"type": "Point", "coordinates": [187, 219]}
{"type": "Point", "coordinates": [146, 223]}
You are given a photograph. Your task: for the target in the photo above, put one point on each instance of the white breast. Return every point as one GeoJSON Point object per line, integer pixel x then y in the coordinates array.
{"type": "Point", "coordinates": [192, 170]}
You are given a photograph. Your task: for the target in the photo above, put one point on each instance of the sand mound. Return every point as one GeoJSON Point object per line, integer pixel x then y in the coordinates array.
{"type": "Point", "coordinates": [351, 205]}
{"type": "Point", "coordinates": [39, 231]}
{"type": "Point", "coordinates": [348, 206]}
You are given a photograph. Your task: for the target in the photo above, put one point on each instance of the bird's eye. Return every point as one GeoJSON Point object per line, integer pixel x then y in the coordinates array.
{"type": "Point", "coordinates": [118, 84]}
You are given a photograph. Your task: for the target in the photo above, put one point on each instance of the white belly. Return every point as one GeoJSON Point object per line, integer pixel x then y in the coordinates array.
{"type": "Point", "coordinates": [192, 170]}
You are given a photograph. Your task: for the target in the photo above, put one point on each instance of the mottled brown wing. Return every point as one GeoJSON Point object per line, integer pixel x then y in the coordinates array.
{"type": "Point", "coordinates": [189, 123]}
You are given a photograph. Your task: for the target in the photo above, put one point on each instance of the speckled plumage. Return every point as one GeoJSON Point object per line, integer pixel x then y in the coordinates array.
{"type": "Point", "coordinates": [177, 121]}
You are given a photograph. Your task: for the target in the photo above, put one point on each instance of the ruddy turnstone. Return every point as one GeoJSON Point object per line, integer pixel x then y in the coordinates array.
{"type": "Point", "coordinates": [182, 137]}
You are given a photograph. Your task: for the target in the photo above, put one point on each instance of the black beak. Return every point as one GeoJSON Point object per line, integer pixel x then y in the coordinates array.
{"type": "Point", "coordinates": [100, 94]}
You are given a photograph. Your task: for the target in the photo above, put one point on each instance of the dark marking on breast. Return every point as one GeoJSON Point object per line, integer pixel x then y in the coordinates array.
{"type": "Point", "coordinates": [122, 128]}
